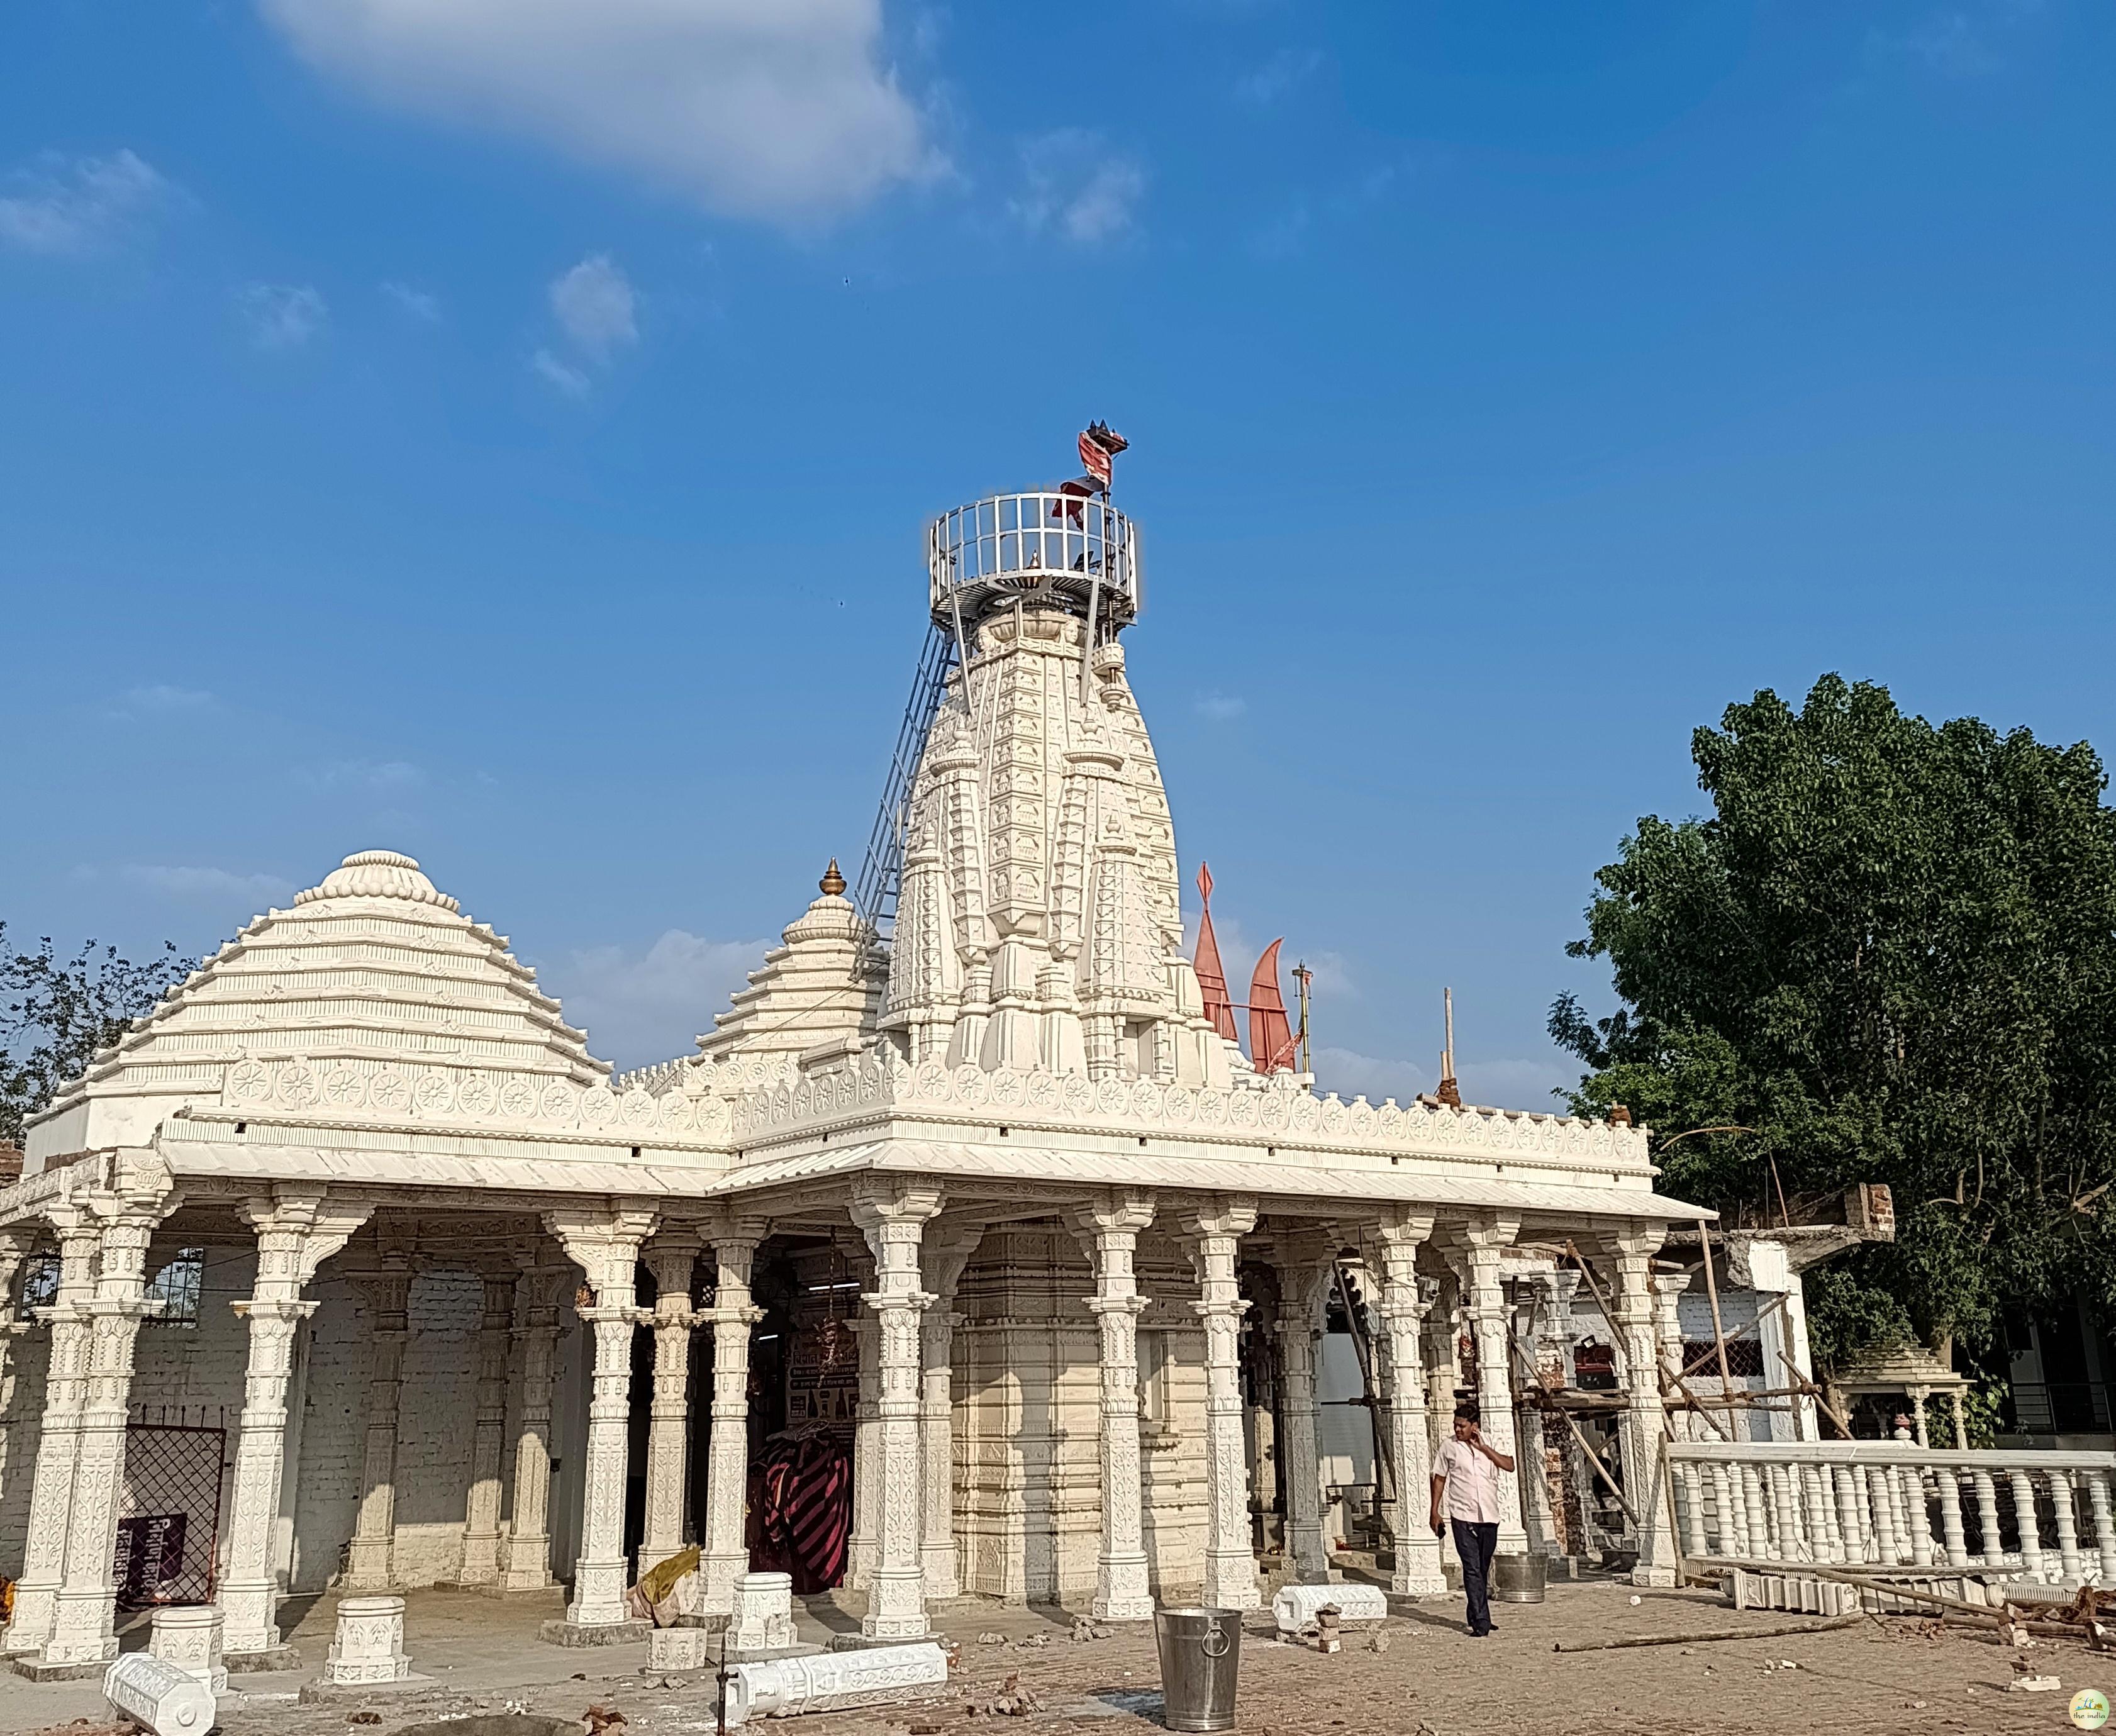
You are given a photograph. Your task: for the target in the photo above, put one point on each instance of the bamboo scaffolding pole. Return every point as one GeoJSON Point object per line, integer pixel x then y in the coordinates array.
{"type": "Point", "coordinates": [1355, 1322]}
{"type": "Point", "coordinates": [1594, 1458]}
{"type": "Point", "coordinates": [1715, 1633]}
{"type": "Point", "coordinates": [1660, 1370]}
{"type": "Point", "coordinates": [1712, 1290]}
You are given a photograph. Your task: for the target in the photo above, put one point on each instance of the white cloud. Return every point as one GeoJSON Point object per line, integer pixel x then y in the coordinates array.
{"type": "Point", "coordinates": [594, 304]}
{"type": "Point", "coordinates": [1279, 75]}
{"type": "Point", "coordinates": [164, 698]}
{"type": "Point", "coordinates": [1518, 1084]}
{"type": "Point", "coordinates": [416, 302]}
{"type": "Point", "coordinates": [82, 205]}
{"type": "Point", "coordinates": [1073, 186]}
{"type": "Point", "coordinates": [1220, 707]}
{"type": "Point", "coordinates": [1350, 1074]}
{"type": "Point", "coordinates": [379, 775]}
{"type": "Point", "coordinates": [208, 886]}
{"type": "Point", "coordinates": [641, 1007]}
{"type": "Point", "coordinates": [1959, 41]}
{"type": "Point", "coordinates": [568, 379]}
{"type": "Point", "coordinates": [781, 109]}
{"type": "Point", "coordinates": [282, 316]}
{"type": "Point", "coordinates": [1281, 237]}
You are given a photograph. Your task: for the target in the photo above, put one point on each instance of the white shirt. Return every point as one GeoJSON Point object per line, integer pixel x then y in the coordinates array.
{"type": "Point", "coordinates": [1473, 1483]}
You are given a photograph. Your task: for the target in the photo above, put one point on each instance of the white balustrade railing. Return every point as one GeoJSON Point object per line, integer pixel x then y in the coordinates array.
{"type": "Point", "coordinates": [2049, 1517]}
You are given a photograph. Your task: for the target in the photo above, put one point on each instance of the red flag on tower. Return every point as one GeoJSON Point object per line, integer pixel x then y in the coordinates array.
{"type": "Point", "coordinates": [1097, 460]}
{"type": "Point", "coordinates": [1099, 445]}
{"type": "Point", "coordinates": [1211, 973]}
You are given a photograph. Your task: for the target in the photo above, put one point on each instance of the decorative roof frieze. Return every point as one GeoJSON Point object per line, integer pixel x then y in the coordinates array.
{"type": "Point", "coordinates": [877, 1085]}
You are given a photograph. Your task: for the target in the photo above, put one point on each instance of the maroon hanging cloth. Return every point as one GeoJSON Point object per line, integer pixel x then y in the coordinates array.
{"type": "Point", "coordinates": [808, 1510]}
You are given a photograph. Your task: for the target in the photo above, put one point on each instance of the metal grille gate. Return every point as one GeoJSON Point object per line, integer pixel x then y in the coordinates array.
{"type": "Point", "coordinates": [168, 1532]}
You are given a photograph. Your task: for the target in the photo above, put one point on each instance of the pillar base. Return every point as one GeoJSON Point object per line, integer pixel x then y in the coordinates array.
{"type": "Point", "coordinates": [33, 1668]}
{"type": "Point", "coordinates": [351, 1693]}
{"type": "Point", "coordinates": [263, 1661]}
{"type": "Point", "coordinates": [1122, 1609]}
{"type": "Point", "coordinates": [563, 1632]}
{"type": "Point", "coordinates": [870, 1641]}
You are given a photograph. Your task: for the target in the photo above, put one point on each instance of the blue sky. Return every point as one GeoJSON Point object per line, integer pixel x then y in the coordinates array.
{"type": "Point", "coordinates": [502, 430]}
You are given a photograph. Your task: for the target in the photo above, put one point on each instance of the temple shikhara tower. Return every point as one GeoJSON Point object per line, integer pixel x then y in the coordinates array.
{"type": "Point", "coordinates": [967, 1255]}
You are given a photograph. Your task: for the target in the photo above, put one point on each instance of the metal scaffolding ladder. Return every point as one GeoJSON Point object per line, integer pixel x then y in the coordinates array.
{"type": "Point", "coordinates": [882, 872]}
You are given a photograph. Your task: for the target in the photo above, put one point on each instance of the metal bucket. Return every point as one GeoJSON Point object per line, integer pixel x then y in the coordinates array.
{"type": "Point", "coordinates": [1519, 1579]}
{"type": "Point", "coordinates": [1201, 1655]}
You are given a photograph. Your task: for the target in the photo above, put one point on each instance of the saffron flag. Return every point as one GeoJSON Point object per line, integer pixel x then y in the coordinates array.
{"type": "Point", "coordinates": [1271, 1034]}
{"type": "Point", "coordinates": [1211, 973]}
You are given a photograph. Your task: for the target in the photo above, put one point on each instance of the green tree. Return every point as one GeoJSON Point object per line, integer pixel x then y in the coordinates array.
{"type": "Point", "coordinates": [59, 1012]}
{"type": "Point", "coordinates": [1888, 955]}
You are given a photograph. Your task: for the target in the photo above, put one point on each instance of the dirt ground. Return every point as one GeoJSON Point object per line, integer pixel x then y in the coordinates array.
{"type": "Point", "coordinates": [1432, 1679]}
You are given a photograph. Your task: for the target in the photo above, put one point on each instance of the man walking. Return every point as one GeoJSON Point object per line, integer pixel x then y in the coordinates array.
{"type": "Point", "coordinates": [1466, 1477]}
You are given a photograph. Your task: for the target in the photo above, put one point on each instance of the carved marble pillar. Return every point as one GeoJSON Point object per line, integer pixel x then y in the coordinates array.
{"type": "Point", "coordinates": [1214, 1229]}
{"type": "Point", "coordinates": [386, 1292]}
{"type": "Point", "coordinates": [892, 1216]}
{"type": "Point", "coordinates": [529, 1526]}
{"type": "Point", "coordinates": [15, 1245]}
{"type": "Point", "coordinates": [1396, 1240]}
{"type": "Point", "coordinates": [298, 1228]}
{"type": "Point", "coordinates": [1631, 1249]}
{"type": "Point", "coordinates": [604, 1241]}
{"type": "Point", "coordinates": [726, 1545]}
{"type": "Point", "coordinates": [84, 1629]}
{"type": "Point", "coordinates": [942, 1257]}
{"type": "Point", "coordinates": [861, 1542]}
{"type": "Point", "coordinates": [671, 1256]}
{"type": "Point", "coordinates": [480, 1559]}
{"type": "Point", "coordinates": [1529, 1297]}
{"type": "Point", "coordinates": [1668, 1288]}
{"type": "Point", "coordinates": [66, 1385]}
{"type": "Point", "coordinates": [1109, 1231]}
{"type": "Point", "coordinates": [1442, 1342]}
{"type": "Point", "coordinates": [1477, 1247]}
{"type": "Point", "coordinates": [1304, 1282]}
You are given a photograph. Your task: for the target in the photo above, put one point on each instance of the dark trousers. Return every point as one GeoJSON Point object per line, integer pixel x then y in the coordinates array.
{"type": "Point", "coordinates": [1474, 1543]}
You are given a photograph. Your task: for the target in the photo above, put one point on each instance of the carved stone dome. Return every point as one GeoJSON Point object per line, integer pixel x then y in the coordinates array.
{"type": "Point", "coordinates": [378, 873]}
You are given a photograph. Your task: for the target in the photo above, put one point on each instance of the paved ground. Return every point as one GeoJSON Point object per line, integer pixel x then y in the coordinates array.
{"type": "Point", "coordinates": [1432, 1680]}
